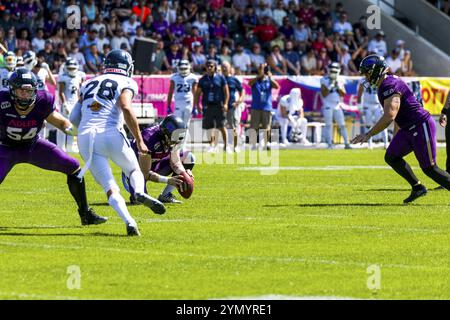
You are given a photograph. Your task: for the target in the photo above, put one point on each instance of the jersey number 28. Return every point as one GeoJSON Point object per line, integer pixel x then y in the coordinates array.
{"type": "Point", "coordinates": [106, 91]}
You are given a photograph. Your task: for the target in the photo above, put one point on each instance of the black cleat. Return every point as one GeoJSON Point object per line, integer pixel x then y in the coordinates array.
{"type": "Point", "coordinates": [90, 217]}
{"type": "Point", "coordinates": [132, 231]}
{"type": "Point", "coordinates": [416, 194]}
{"type": "Point", "coordinates": [168, 198]}
{"type": "Point", "coordinates": [133, 201]}
{"type": "Point", "coordinates": [155, 205]}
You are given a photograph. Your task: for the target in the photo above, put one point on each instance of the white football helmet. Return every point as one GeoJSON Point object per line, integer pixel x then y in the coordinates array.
{"type": "Point", "coordinates": [334, 69]}
{"type": "Point", "coordinates": [184, 68]}
{"type": "Point", "coordinates": [29, 60]}
{"type": "Point", "coordinates": [71, 67]}
{"type": "Point", "coordinates": [10, 60]}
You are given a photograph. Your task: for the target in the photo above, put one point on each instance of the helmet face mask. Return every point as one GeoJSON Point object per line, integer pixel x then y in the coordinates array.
{"type": "Point", "coordinates": [29, 60]}
{"type": "Point", "coordinates": [184, 68]}
{"type": "Point", "coordinates": [23, 88]}
{"type": "Point", "coordinates": [71, 67]}
{"type": "Point", "coordinates": [10, 60]}
{"type": "Point", "coordinates": [334, 69]}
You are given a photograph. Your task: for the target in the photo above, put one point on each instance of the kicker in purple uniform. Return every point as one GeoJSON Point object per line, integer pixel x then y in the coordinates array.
{"type": "Point", "coordinates": [23, 111]}
{"type": "Point", "coordinates": [164, 143]}
{"type": "Point", "coordinates": [417, 131]}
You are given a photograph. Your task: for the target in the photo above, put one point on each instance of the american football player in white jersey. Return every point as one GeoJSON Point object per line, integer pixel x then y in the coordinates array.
{"type": "Point", "coordinates": [372, 110]}
{"type": "Point", "coordinates": [105, 101]}
{"type": "Point", "coordinates": [332, 90]}
{"type": "Point", "coordinates": [288, 106]}
{"type": "Point", "coordinates": [183, 84]}
{"type": "Point", "coordinates": [10, 65]}
{"type": "Point", "coordinates": [69, 83]}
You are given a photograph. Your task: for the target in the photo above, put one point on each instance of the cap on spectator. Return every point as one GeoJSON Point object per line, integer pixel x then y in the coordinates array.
{"type": "Point", "coordinates": [344, 47]}
{"type": "Point", "coordinates": [399, 42]}
{"type": "Point", "coordinates": [348, 33]}
{"type": "Point", "coordinates": [196, 44]}
{"type": "Point", "coordinates": [380, 33]}
{"type": "Point", "coordinates": [396, 50]}
{"type": "Point", "coordinates": [323, 49]}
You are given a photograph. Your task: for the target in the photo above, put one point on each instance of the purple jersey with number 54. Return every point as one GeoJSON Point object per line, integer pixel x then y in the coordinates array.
{"type": "Point", "coordinates": [17, 130]}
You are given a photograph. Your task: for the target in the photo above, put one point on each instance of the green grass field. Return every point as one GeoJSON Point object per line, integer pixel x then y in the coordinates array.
{"type": "Point", "coordinates": [242, 234]}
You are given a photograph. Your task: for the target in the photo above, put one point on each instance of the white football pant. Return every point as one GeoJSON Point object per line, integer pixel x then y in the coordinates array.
{"type": "Point", "coordinates": [336, 114]}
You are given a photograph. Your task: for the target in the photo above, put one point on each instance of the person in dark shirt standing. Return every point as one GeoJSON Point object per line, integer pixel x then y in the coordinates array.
{"type": "Point", "coordinates": [417, 128]}
{"type": "Point", "coordinates": [235, 102]}
{"type": "Point", "coordinates": [215, 95]}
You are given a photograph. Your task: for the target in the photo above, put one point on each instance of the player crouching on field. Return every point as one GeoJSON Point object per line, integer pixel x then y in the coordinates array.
{"type": "Point", "coordinates": [165, 157]}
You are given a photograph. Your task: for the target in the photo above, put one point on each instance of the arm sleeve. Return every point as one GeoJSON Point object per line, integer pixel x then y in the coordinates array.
{"type": "Point", "coordinates": [75, 114]}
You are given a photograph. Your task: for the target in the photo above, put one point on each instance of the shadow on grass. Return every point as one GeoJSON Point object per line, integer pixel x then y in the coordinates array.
{"type": "Point", "coordinates": [321, 205]}
{"type": "Point", "coordinates": [106, 204]}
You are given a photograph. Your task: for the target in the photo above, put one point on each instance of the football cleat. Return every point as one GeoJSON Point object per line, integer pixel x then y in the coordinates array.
{"type": "Point", "coordinates": [132, 230]}
{"type": "Point", "coordinates": [416, 194]}
{"type": "Point", "coordinates": [168, 198]}
{"type": "Point", "coordinates": [439, 188]}
{"type": "Point", "coordinates": [133, 201]}
{"type": "Point", "coordinates": [151, 203]}
{"type": "Point", "coordinates": [348, 147]}
{"type": "Point", "coordinates": [90, 217]}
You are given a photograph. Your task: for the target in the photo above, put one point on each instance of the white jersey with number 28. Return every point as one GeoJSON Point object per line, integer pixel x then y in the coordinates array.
{"type": "Point", "coordinates": [99, 102]}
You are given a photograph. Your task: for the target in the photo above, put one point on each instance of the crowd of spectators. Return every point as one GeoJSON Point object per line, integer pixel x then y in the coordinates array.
{"type": "Point", "coordinates": [443, 5]}
{"type": "Point", "coordinates": [296, 37]}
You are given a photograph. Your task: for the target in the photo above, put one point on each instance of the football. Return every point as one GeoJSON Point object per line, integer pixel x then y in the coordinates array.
{"type": "Point", "coordinates": [188, 185]}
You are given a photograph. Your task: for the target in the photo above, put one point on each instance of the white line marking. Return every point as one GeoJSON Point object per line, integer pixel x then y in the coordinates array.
{"type": "Point", "coordinates": [36, 296]}
{"type": "Point", "coordinates": [317, 168]}
{"type": "Point", "coordinates": [286, 297]}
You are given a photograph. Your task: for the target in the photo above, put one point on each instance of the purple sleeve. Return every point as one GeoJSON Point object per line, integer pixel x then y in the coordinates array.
{"type": "Point", "coordinates": [46, 103]}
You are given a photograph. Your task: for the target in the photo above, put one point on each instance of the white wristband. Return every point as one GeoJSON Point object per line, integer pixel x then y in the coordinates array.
{"type": "Point", "coordinates": [163, 179]}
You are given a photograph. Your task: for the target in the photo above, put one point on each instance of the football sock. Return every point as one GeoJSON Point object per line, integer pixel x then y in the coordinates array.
{"type": "Point", "coordinates": [168, 189]}
{"type": "Point", "coordinates": [402, 168]}
{"type": "Point", "coordinates": [118, 203]}
{"type": "Point", "coordinates": [77, 188]}
{"type": "Point", "coordinates": [438, 175]}
{"type": "Point", "coordinates": [137, 181]}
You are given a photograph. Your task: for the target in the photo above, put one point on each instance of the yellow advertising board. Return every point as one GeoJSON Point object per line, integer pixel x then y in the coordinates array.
{"type": "Point", "coordinates": [434, 93]}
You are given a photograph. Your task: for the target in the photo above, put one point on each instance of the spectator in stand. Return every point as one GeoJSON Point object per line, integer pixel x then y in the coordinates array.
{"type": "Point", "coordinates": [323, 60]}
{"type": "Point", "coordinates": [342, 25]}
{"type": "Point", "coordinates": [241, 61]}
{"type": "Point", "coordinates": [129, 26]}
{"type": "Point", "coordinates": [198, 58]}
{"type": "Point", "coordinates": [142, 11]}
{"type": "Point", "coordinates": [6, 22]}
{"type": "Point", "coordinates": [407, 65]}
{"type": "Point", "coordinates": [279, 13]}
{"type": "Point", "coordinates": [360, 32]}
{"type": "Point", "coordinates": [378, 45]}
{"type": "Point", "coordinates": [202, 25]}
{"type": "Point", "coordinates": [87, 40]}
{"type": "Point", "coordinates": [60, 57]}
{"type": "Point", "coordinates": [292, 59]}
{"type": "Point", "coordinates": [102, 40]}
{"type": "Point", "coordinates": [319, 43]}
{"type": "Point", "coordinates": [323, 13]}
{"type": "Point", "coordinates": [306, 12]}
{"type": "Point", "coordinates": [51, 25]}
{"type": "Point", "coordinates": [286, 29]}
{"type": "Point", "coordinates": [24, 22]}
{"type": "Point", "coordinates": [256, 58]}
{"type": "Point", "coordinates": [164, 9]}
{"type": "Point", "coordinates": [218, 32]}
{"type": "Point", "coordinates": [113, 25]}
{"type": "Point", "coordinates": [89, 9]}
{"type": "Point", "coordinates": [225, 54]}
{"type": "Point", "coordinates": [104, 9]}
{"type": "Point", "coordinates": [349, 40]}
{"type": "Point", "coordinates": [309, 63]}
{"type": "Point", "coordinates": [338, 10]}
{"type": "Point", "coordinates": [77, 55]}
{"type": "Point", "coordinates": [23, 43]}
{"type": "Point", "coordinates": [38, 42]}
{"type": "Point", "coordinates": [189, 12]}
{"type": "Point", "coordinates": [400, 44]}
{"type": "Point", "coordinates": [48, 54]}
{"type": "Point", "coordinates": [174, 55]}
{"type": "Point", "coordinates": [159, 62]}
{"type": "Point", "coordinates": [177, 30]}
{"type": "Point", "coordinates": [212, 54]}
{"type": "Point", "coordinates": [265, 32]}
{"type": "Point", "coordinates": [277, 62]}
{"type": "Point", "coordinates": [72, 37]}
{"type": "Point", "coordinates": [98, 23]}
{"type": "Point", "coordinates": [119, 39]}
{"type": "Point", "coordinates": [346, 62]}
{"type": "Point", "coordinates": [148, 26]}
{"type": "Point", "coordinates": [302, 35]}
{"type": "Point", "coordinates": [394, 62]}
{"type": "Point", "coordinates": [93, 60]}
{"type": "Point", "coordinates": [359, 55]}
{"type": "Point", "coordinates": [291, 12]}
{"type": "Point", "coordinates": [249, 19]}
{"type": "Point", "coordinates": [263, 10]}
{"type": "Point", "coordinates": [194, 37]}
{"type": "Point", "coordinates": [57, 37]}
{"type": "Point", "coordinates": [314, 28]}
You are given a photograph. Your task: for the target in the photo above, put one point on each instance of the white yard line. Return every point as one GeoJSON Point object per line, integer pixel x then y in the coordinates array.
{"type": "Point", "coordinates": [21, 295]}
{"type": "Point", "coordinates": [316, 168]}
{"type": "Point", "coordinates": [219, 257]}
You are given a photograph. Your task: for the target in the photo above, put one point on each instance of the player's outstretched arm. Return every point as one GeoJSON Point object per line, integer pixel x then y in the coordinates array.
{"type": "Point", "coordinates": [75, 114]}
{"type": "Point", "coordinates": [56, 119]}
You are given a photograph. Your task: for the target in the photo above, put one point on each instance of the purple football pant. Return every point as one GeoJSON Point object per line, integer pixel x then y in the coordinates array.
{"type": "Point", "coordinates": [420, 138]}
{"type": "Point", "coordinates": [42, 154]}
